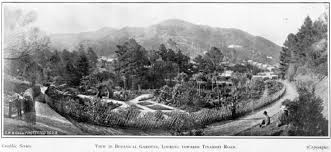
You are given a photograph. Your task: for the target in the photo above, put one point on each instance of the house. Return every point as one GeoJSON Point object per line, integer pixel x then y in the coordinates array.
{"type": "Point", "coordinates": [227, 73]}
{"type": "Point", "coordinates": [265, 75]}
{"type": "Point", "coordinates": [105, 61]}
{"type": "Point", "coordinates": [270, 68]}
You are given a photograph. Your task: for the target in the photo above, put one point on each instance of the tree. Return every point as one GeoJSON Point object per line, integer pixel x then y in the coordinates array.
{"type": "Point", "coordinates": [182, 62]}
{"type": "Point", "coordinates": [239, 91]}
{"type": "Point", "coordinates": [305, 48]}
{"type": "Point", "coordinates": [305, 113]}
{"type": "Point", "coordinates": [198, 78]}
{"type": "Point", "coordinates": [66, 56]}
{"type": "Point", "coordinates": [71, 75]}
{"type": "Point", "coordinates": [284, 61]}
{"type": "Point", "coordinates": [99, 80]}
{"type": "Point", "coordinates": [215, 56]}
{"type": "Point", "coordinates": [19, 38]}
{"type": "Point", "coordinates": [203, 65]}
{"type": "Point", "coordinates": [162, 52]}
{"type": "Point", "coordinates": [170, 70]}
{"type": "Point", "coordinates": [54, 66]}
{"type": "Point", "coordinates": [181, 77]}
{"type": "Point", "coordinates": [26, 48]}
{"type": "Point", "coordinates": [93, 57]}
{"type": "Point", "coordinates": [305, 38]}
{"type": "Point", "coordinates": [33, 72]}
{"type": "Point", "coordinates": [132, 61]}
{"type": "Point", "coordinates": [82, 65]}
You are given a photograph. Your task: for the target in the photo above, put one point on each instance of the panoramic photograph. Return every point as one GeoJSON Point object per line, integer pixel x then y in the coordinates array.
{"type": "Point", "coordinates": [165, 69]}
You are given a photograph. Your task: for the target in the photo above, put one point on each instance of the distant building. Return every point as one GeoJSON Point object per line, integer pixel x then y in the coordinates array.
{"type": "Point", "coordinates": [265, 75]}
{"type": "Point", "coordinates": [270, 68]}
{"type": "Point", "coordinates": [106, 59]}
{"type": "Point", "coordinates": [224, 83]}
{"type": "Point", "coordinates": [234, 46]}
{"type": "Point", "coordinates": [104, 62]}
{"type": "Point", "coordinates": [227, 73]}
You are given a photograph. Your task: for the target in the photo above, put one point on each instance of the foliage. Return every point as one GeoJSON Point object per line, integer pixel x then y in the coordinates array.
{"type": "Point", "coordinates": [215, 56]}
{"type": "Point", "coordinates": [305, 114]}
{"type": "Point", "coordinates": [97, 80]}
{"type": "Point", "coordinates": [274, 86]}
{"type": "Point", "coordinates": [258, 87]}
{"type": "Point", "coordinates": [248, 68]}
{"type": "Point", "coordinates": [181, 77]}
{"type": "Point", "coordinates": [132, 61]}
{"type": "Point", "coordinates": [25, 47]}
{"type": "Point", "coordinates": [306, 48]}
{"type": "Point", "coordinates": [284, 61]}
{"type": "Point", "coordinates": [29, 54]}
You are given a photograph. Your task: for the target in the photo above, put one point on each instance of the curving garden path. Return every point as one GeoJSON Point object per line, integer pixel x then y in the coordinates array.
{"type": "Point", "coordinates": [233, 127]}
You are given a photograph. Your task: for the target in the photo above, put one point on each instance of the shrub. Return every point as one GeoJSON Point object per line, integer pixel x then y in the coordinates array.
{"type": "Point", "coordinates": [274, 86]}
{"type": "Point", "coordinates": [131, 94]}
{"type": "Point", "coordinates": [257, 89]}
{"type": "Point", "coordinates": [305, 113]}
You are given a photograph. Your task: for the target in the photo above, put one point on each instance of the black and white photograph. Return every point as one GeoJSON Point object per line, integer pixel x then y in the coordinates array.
{"type": "Point", "coordinates": [165, 69]}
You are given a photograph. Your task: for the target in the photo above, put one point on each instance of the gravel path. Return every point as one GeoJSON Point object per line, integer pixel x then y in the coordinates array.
{"type": "Point", "coordinates": [234, 127]}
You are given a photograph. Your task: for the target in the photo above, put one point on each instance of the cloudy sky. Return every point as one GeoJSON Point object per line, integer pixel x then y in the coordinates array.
{"type": "Point", "coordinates": [272, 21]}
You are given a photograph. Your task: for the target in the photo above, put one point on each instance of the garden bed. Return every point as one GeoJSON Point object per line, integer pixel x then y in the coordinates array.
{"type": "Point", "coordinates": [144, 103]}
{"type": "Point", "coordinates": [158, 107]}
{"type": "Point", "coordinates": [274, 86]}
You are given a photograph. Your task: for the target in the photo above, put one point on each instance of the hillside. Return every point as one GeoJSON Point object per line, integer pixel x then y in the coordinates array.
{"type": "Point", "coordinates": [192, 39]}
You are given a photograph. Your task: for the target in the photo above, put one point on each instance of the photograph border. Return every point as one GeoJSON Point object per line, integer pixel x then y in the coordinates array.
{"type": "Point", "coordinates": [168, 137]}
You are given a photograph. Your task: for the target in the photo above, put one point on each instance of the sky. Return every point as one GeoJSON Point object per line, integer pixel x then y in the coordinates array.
{"type": "Point", "coordinates": [272, 21]}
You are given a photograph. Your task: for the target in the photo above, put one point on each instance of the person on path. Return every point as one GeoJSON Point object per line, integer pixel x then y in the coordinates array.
{"type": "Point", "coordinates": [283, 118]}
{"type": "Point", "coordinates": [16, 101]}
{"type": "Point", "coordinates": [29, 104]}
{"type": "Point", "coordinates": [266, 120]}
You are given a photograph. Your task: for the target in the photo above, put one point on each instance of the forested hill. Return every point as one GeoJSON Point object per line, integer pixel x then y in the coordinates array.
{"type": "Point", "coordinates": [192, 39]}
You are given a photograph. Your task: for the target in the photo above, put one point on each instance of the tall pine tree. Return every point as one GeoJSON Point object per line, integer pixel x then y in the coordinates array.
{"type": "Point", "coordinates": [284, 61]}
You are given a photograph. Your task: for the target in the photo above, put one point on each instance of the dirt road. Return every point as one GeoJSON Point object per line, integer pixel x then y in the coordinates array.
{"type": "Point", "coordinates": [234, 127]}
